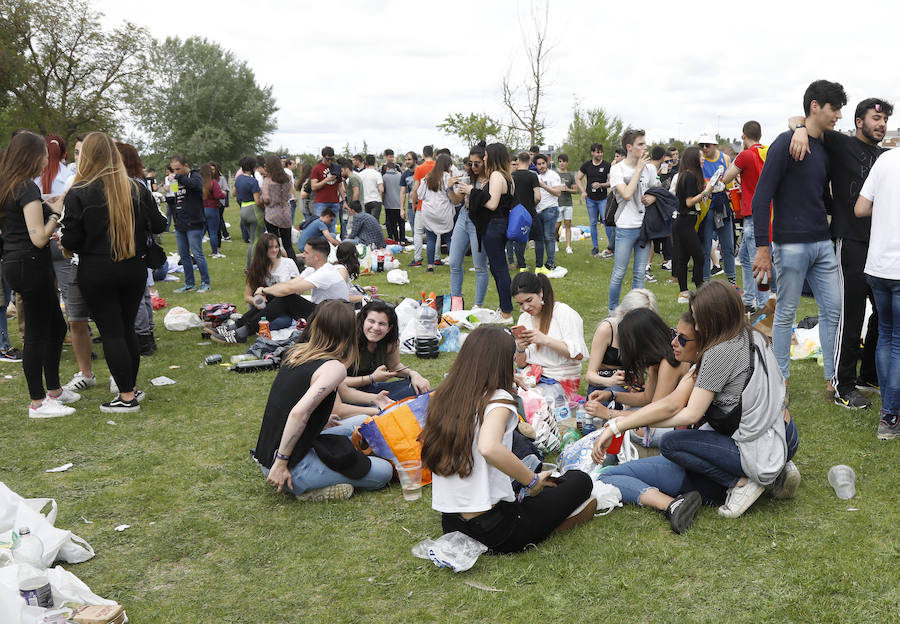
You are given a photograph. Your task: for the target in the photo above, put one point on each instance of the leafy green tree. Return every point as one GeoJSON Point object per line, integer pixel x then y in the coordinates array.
{"type": "Point", "coordinates": [471, 128]}
{"type": "Point", "coordinates": [205, 103]}
{"type": "Point", "coordinates": [60, 72]}
{"type": "Point", "coordinates": [593, 125]}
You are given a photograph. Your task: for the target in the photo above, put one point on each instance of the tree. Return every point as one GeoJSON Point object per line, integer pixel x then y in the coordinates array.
{"type": "Point", "coordinates": [593, 125]}
{"type": "Point", "coordinates": [523, 100]}
{"type": "Point", "coordinates": [471, 128]}
{"type": "Point", "coordinates": [60, 72]}
{"type": "Point", "coordinates": [205, 103]}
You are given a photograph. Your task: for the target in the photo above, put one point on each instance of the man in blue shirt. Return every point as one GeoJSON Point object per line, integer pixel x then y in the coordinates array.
{"type": "Point", "coordinates": [320, 226]}
{"type": "Point", "coordinates": [799, 222]}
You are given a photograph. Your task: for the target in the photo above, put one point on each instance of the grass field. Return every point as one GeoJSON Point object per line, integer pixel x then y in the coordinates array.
{"type": "Point", "coordinates": [210, 541]}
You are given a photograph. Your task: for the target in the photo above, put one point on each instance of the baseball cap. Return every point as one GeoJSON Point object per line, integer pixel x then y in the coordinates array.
{"type": "Point", "coordinates": [707, 137]}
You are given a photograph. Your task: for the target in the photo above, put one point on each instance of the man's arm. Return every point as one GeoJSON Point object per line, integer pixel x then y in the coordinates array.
{"type": "Point", "coordinates": [731, 173]}
{"type": "Point", "coordinates": [579, 182]}
{"type": "Point", "coordinates": [293, 286]}
{"type": "Point", "coordinates": [553, 190]}
{"type": "Point", "coordinates": [626, 191]}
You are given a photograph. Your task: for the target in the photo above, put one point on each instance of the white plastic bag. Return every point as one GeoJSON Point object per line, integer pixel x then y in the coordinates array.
{"type": "Point", "coordinates": [180, 319]}
{"type": "Point", "coordinates": [406, 311]}
{"type": "Point", "coordinates": [455, 550]}
{"type": "Point", "coordinates": [608, 497]}
{"type": "Point", "coordinates": [66, 587]}
{"type": "Point", "coordinates": [408, 337]}
{"type": "Point", "coordinates": [398, 276]}
{"type": "Point", "coordinates": [16, 512]}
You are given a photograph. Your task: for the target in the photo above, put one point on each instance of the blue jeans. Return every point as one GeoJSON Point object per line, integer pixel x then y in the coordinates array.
{"type": "Point", "coordinates": [636, 477]}
{"type": "Point", "coordinates": [626, 240]}
{"type": "Point", "coordinates": [318, 207]}
{"type": "Point", "coordinates": [746, 254]}
{"type": "Point", "coordinates": [311, 474]}
{"type": "Point", "coordinates": [726, 242]}
{"type": "Point", "coordinates": [397, 390]}
{"type": "Point", "coordinates": [712, 454]}
{"type": "Point", "coordinates": [548, 221]}
{"type": "Point", "coordinates": [191, 243]}
{"type": "Point", "coordinates": [796, 262]}
{"type": "Point", "coordinates": [887, 353]}
{"type": "Point", "coordinates": [430, 243]}
{"type": "Point", "coordinates": [594, 206]}
{"type": "Point", "coordinates": [494, 245]}
{"type": "Point", "coordinates": [464, 238]}
{"type": "Point", "coordinates": [212, 227]}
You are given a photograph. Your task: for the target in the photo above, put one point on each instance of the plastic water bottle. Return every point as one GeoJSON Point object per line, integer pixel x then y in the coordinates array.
{"type": "Point", "coordinates": [580, 418]}
{"type": "Point", "coordinates": [34, 586]}
{"type": "Point", "coordinates": [426, 332]}
{"type": "Point", "coordinates": [561, 408]}
{"type": "Point", "coordinates": [263, 331]}
{"type": "Point", "coordinates": [588, 426]}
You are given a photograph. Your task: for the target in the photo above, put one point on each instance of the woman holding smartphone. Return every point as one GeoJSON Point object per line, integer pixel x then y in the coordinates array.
{"type": "Point", "coordinates": [690, 193]}
{"type": "Point", "coordinates": [466, 443]}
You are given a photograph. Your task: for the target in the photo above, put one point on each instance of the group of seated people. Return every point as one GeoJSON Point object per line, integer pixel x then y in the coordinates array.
{"type": "Point", "coordinates": [682, 389]}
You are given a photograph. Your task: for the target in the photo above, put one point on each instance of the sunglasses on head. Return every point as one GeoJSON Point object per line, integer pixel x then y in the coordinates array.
{"type": "Point", "coordinates": [681, 338]}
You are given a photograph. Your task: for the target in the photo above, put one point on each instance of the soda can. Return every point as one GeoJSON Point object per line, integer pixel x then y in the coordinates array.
{"type": "Point", "coordinates": [213, 359]}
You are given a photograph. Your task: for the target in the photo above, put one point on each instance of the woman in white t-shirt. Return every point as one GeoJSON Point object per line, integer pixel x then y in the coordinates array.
{"type": "Point", "coordinates": [466, 443]}
{"type": "Point", "coordinates": [269, 265]}
{"type": "Point", "coordinates": [438, 198]}
{"type": "Point", "coordinates": [549, 334]}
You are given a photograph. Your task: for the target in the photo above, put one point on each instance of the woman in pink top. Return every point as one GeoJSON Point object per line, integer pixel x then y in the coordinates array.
{"type": "Point", "coordinates": [212, 193]}
{"type": "Point", "coordinates": [276, 194]}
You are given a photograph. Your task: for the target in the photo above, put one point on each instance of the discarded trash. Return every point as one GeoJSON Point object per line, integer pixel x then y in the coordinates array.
{"type": "Point", "coordinates": [86, 521]}
{"type": "Point", "coordinates": [478, 585]}
{"type": "Point", "coordinates": [215, 358]}
{"type": "Point", "coordinates": [181, 319]}
{"type": "Point", "coordinates": [122, 527]}
{"type": "Point", "coordinates": [162, 380]}
{"type": "Point", "coordinates": [176, 367]}
{"type": "Point", "coordinates": [62, 468]}
{"type": "Point", "coordinates": [7, 376]}
{"type": "Point", "coordinates": [398, 276]}
{"type": "Point", "coordinates": [843, 480]}
{"type": "Point", "coordinates": [110, 422]}
{"type": "Point", "coordinates": [455, 550]}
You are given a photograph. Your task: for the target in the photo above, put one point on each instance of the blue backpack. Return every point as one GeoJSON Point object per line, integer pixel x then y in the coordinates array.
{"type": "Point", "coordinates": [519, 225]}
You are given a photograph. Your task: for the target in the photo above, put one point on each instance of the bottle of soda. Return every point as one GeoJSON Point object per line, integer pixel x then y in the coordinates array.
{"type": "Point", "coordinates": [263, 331]}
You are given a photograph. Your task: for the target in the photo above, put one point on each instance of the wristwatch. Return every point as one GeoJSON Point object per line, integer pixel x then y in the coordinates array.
{"type": "Point", "coordinates": [799, 125]}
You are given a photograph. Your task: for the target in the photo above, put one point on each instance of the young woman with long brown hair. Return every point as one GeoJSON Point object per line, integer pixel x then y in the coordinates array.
{"type": "Point", "coordinates": [466, 443]}
{"type": "Point", "coordinates": [27, 224]}
{"type": "Point", "coordinates": [691, 193]}
{"type": "Point", "coordinates": [108, 220]}
{"type": "Point", "coordinates": [302, 399]}
{"type": "Point", "coordinates": [269, 265]}
{"type": "Point", "coordinates": [212, 195]}
{"type": "Point", "coordinates": [438, 199]}
{"type": "Point", "coordinates": [277, 192]}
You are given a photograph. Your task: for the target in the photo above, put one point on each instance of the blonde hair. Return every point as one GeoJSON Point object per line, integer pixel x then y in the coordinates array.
{"type": "Point", "coordinates": [101, 161]}
{"type": "Point", "coordinates": [634, 299]}
{"type": "Point", "coordinates": [331, 335]}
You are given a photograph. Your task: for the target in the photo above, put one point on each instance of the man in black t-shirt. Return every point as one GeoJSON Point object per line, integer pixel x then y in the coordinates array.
{"type": "Point", "coordinates": [850, 159]}
{"type": "Point", "coordinates": [593, 182]}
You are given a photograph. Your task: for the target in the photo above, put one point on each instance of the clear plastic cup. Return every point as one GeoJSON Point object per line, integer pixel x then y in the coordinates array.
{"type": "Point", "coordinates": [843, 480]}
{"type": "Point", "coordinates": [553, 468]}
{"type": "Point", "coordinates": [410, 473]}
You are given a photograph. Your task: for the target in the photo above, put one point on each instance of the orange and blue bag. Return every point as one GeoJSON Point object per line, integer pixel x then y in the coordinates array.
{"type": "Point", "coordinates": [393, 434]}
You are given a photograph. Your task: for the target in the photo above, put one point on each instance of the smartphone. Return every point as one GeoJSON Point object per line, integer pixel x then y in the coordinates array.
{"type": "Point", "coordinates": [518, 331]}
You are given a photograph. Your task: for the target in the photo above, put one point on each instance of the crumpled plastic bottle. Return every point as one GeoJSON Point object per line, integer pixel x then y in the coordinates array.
{"type": "Point", "coordinates": [455, 550]}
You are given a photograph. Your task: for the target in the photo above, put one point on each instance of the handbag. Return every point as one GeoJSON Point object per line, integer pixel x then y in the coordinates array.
{"type": "Point", "coordinates": [519, 224]}
{"type": "Point", "coordinates": [155, 256]}
{"type": "Point", "coordinates": [609, 217]}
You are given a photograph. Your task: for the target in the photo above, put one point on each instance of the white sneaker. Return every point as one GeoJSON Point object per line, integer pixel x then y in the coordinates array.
{"type": "Point", "coordinates": [66, 396]}
{"type": "Point", "coordinates": [683, 299]}
{"type": "Point", "coordinates": [740, 498]}
{"type": "Point", "coordinates": [112, 386]}
{"type": "Point", "coordinates": [497, 319]}
{"type": "Point", "coordinates": [569, 250]}
{"type": "Point", "coordinates": [50, 408]}
{"type": "Point", "coordinates": [80, 381]}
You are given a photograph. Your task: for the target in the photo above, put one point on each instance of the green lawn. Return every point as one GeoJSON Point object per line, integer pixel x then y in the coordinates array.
{"type": "Point", "coordinates": [210, 541]}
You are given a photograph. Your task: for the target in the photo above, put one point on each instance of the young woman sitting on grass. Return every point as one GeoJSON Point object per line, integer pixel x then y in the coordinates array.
{"type": "Point", "coordinates": [738, 449]}
{"type": "Point", "coordinates": [378, 340]}
{"type": "Point", "coordinates": [605, 365]}
{"type": "Point", "coordinates": [549, 334]}
{"type": "Point", "coordinates": [466, 443]}
{"type": "Point", "coordinates": [269, 265]}
{"type": "Point", "coordinates": [293, 448]}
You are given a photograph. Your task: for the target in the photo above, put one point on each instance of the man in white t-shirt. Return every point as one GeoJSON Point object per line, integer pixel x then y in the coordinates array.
{"type": "Point", "coordinates": [629, 180]}
{"type": "Point", "coordinates": [880, 198]}
{"type": "Point", "coordinates": [372, 187]}
{"type": "Point", "coordinates": [548, 212]}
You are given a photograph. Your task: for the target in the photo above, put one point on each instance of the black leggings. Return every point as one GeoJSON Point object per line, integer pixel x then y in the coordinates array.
{"type": "Point", "coordinates": [223, 230]}
{"type": "Point", "coordinates": [511, 527]}
{"type": "Point", "coordinates": [687, 245]}
{"type": "Point", "coordinates": [294, 306]}
{"type": "Point", "coordinates": [285, 235]}
{"type": "Point", "coordinates": [113, 291]}
{"type": "Point", "coordinates": [396, 227]}
{"type": "Point", "coordinates": [31, 275]}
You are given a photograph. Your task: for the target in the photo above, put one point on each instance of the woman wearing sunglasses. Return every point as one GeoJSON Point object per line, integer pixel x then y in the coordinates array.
{"type": "Point", "coordinates": [714, 463]}
{"type": "Point", "coordinates": [465, 238]}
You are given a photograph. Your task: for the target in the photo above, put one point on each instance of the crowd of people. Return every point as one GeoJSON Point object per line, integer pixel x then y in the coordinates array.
{"type": "Point", "coordinates": [815, 206]}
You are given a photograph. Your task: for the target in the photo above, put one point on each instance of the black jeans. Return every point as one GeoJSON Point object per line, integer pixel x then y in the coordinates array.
{"type": "Point", "coordinates": [687, 245]}
{"type": "Point", "coordinates": [223, 230]}
{"type": "Point", "coordinates": [511, 527]}
{"type": "Point", "coordinates": [285, 235]}
{"type": "Point", "coordinates": [294, 306]}
{"type": "Point", "coordinates": [374, 209]}
{"type": "Point", "coordinates": [31, 275]}
{"type": "Point", "coordinates": [113, 291]}
{"type": "Point", "coordinates": [396, 227]}
{"type": "Point", "coordinates": [852, 260]}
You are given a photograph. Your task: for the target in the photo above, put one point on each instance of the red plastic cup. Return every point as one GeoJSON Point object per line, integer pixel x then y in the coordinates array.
{"type": "Point", "coordinates": [616, 445]}
{"type": "Point", "coordinates": [734, 194]}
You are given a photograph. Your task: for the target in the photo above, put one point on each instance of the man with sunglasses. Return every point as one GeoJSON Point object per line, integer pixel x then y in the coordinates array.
{"type": "Point", "coordinates": [718, 218]}
{"type": "Point", "coordinates": [849, 160]}
{"type": "Point", "coordinates": [325, 180]}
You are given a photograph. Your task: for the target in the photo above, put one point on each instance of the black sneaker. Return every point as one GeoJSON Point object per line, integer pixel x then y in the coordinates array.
{"type": "Point", "coordinates": [852, 400]}
{"type": "Point", "coordinates": [10, 355]}
{"type": "Point", "coordinates": [681, 511]}
{"type": "Point", "coordinates": [119, 405]}
{"type": "Point", "coordinates": [227, 336]}
{"type": "Point", "coordinates": [715, 270]}
{"type": "Point", "coordinates": [415, 263]}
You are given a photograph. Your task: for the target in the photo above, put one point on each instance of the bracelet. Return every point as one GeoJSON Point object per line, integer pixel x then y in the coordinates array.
{"type": "Point", "coordinates": [533, 482]}
{"type": "Point", "coordinates": [278, 455]}
{"type": "Point", "coordinates": [612, 395]}
{"type": "Point", "coordinates": [518, 350]}
{"type": "Point", "coordinates": [371, 380]}
{"type": "Point", "coordinates": [614, 426]}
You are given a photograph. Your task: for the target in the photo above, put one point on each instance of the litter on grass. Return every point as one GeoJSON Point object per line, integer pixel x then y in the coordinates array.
{"type": "Point", "coordinates": [86, 521]}
{"type": "Point", "coordinates": [478, 585]}
{"type": "Point", "coordinates": [454, 550]}
{"type": "Point", "coordinates": [122, 527]}
{"type": "Point", "coordinates": [62, 468]}
{"type": "Point", "coordinates": [110, 422]}
{"type": "Point", "coordinates": [162, 380]}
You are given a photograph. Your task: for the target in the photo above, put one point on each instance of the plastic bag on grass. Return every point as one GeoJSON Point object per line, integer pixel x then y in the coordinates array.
{"type": "Point", "coordinates": [181, 319]}
{"type": "Point", "coordinates": [455, 550]}
{"type": "Point", "coordinates": [397, 276]}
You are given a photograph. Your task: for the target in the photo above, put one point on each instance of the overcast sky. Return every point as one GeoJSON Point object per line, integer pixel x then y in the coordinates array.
{"type": "Point", "coordinates": [388, 72]}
